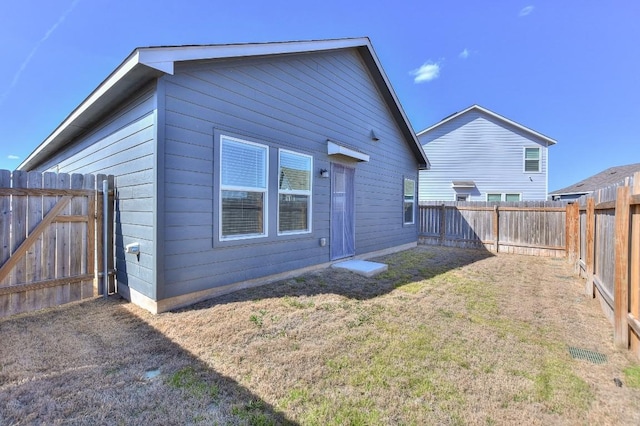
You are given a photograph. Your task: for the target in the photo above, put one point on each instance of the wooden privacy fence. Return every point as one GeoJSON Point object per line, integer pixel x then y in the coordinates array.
{"type": "Point", "coordinates": [534, 228]}
{"type": "Point", "coordinates": [604, 232]}
{"type": "Point", "coordinates": [50, 239]}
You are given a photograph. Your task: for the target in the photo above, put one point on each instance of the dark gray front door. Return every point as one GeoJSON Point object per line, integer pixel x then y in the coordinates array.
{"type": "Point", "coordinates": [343, 229]}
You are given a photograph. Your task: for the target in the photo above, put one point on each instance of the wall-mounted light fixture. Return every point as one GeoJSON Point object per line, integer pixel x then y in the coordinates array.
{"type": "Point", "coordinates": [373, 136]}
{"type": "Point", "coordinates": [324, 173]}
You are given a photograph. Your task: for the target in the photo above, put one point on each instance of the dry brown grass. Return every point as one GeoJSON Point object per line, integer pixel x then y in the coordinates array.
{"type": "Point", "coordinates": [446, 336]}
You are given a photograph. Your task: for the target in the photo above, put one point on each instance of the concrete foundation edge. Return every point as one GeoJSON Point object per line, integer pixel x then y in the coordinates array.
{"type": "Point", "coordinates": [159, 306]}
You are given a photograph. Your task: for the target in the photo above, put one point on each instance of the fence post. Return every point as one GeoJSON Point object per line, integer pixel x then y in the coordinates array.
{"type": "Point", "coordinates": [634, 274]}
{"type": "Point", "coordinates": [111, 279]}
{"type": "Point", "coordinates": [590, 246]}
{"type": "Point", "coordinates": [572, 218]}
{"type": "Point", "coordinates": [568, 233]}
{"type": "Point", "coordinates": [496, 227]}
{"type": "Point", "coordinates": [442, 223]}
{"type": "Point", "coordinates": [621, 274]}
{"type": "Point", "coordinates": [576, 234]}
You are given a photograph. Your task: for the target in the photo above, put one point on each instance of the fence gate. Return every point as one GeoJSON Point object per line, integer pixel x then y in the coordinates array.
{"type": "Point", "coordinates": [50, 239]}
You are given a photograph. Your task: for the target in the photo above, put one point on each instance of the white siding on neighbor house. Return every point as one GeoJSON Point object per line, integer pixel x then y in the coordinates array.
{"type": "Point", "coordinates": [295, 102]}
{"type": "Point", "coordinates": [123, 145]}
{"type": "Point", "coordinates": [479, 148]}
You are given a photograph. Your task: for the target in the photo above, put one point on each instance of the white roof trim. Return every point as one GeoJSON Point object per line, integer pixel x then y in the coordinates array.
{"type": "Point", "coordinates": [115, 77]}
{"type": "Point", "coordinates": [152, 55]}
{"type": "Point", "coordinates": [335, 149]}
{"type": "Point", "coordinates": [145, 63]}
{"type": "Point", "coordinates": [494, 115]}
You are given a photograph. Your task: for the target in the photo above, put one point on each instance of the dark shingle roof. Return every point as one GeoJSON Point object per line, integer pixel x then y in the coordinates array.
{"type": "Point", "coordinates": [603, 179]}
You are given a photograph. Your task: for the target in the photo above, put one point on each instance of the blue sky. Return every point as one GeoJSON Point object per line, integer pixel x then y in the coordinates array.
{"type": "Point", "coordinates": [568, 69]}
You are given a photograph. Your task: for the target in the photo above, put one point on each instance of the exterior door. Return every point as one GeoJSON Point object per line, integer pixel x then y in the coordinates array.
{"type": "Point", "coordinates": [343, 230]}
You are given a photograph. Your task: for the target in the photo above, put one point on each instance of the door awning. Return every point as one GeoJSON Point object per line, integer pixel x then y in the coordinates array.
{"type": "Point", "coordinates": [335, 149]}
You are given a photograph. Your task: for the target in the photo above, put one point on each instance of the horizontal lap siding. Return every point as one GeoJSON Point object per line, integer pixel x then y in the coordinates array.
{"type": "Point", "coordinates": [294, 102]}
{"type": "Point", "coordinates": [477, 147]}
{"type": "Point", "coordinates": [123, 145]}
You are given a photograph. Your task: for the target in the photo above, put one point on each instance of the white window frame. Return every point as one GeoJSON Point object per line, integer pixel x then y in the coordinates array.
{"type": "Point", "coordinates": [412, 201]}
{"type": "Point", "coordinates": [466, 196]}
{"type": "Point", "coordinates": [308, 193]}
{"type": "Point", "coordinates": [524, 159]}
{"type": "Point", "coordinates": [503, 196]}
{"type": "Point", "coordinates": [265, 191]}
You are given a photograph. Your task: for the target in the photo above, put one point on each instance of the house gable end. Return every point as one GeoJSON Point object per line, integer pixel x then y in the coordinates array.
{"type": "Point", "coordinates": [144, 64]}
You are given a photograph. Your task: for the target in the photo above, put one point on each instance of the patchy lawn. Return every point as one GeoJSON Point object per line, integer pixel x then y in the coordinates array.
{"type": "Point", "coordinates": [446, 336]}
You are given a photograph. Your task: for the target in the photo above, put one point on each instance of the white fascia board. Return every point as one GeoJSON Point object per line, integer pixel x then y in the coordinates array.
{"type": "Point", "coordinates": [116, 76]}
{"type": "Point", "coordinates": [387, 82]}
{"type": "Point", "coordinates": [514, 124]}
{"type": "Point", "coordinates": [161, 57]}
{"type": "Point", "coordinates": [334, 149]}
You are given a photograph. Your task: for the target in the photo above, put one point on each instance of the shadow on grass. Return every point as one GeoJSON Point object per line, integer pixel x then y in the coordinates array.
{"type": "Point", "coordinates": [96, 362]}
{"type": "Point", "coordinates": [410, 266]}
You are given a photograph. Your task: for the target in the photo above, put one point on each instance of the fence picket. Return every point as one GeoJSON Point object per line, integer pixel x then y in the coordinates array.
{"type": "Point", "coordinates": [34, 180]}
{"type": "Point", "coordinates": [47, 239]}
{"type": "Point", "coordinates": [18, 225]}
{"type": "Point", "coordinates": [5, 222]}
{"type": "Point", "coordinates": [525, 228]}
{"type": "Point", "coordinates": [77, 253]}
{"type": "Point", "coordinates": [62, 229]}
{"type": "Point", "coordinates": [89, 285]}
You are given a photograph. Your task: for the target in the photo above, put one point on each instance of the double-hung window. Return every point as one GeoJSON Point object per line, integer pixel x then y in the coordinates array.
{"type": "Point", "coordinates": [294, 192]}
{"type": "Point", "coordinates": [492, 197]}
{"type": "Point", "coordinates": [409, 201]}
{"type": "Point", "coordinates": [532, 160]}
{"type": "Point", "coordinates": [243, 189]}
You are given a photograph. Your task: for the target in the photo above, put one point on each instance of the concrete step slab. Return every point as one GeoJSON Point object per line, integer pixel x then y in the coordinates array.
{"type": "Point", "coordinates": [362, 267]}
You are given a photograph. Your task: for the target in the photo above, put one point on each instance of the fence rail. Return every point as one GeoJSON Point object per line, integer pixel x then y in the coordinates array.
{"type": "Point", "coordinates": [599, 234]}
{"type": "Point", "coordinates": [535, 228]}
{"type": "Point", "coordinates": [606, 251]}
{"type": "Point", "coordinates": [48, 239]}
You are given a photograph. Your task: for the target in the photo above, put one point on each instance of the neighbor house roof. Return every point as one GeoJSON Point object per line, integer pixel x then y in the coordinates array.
{"type": "Point", "coordinates": [491, 114]}
{"type": "Point", "coordinates": [147, 63]}
{"type": "Point", "coordinates": [608, 177]}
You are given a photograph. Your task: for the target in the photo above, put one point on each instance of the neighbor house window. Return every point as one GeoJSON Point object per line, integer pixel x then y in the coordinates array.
{"type": "Point", "coordinates": [409, 201]}
{"type": "Point", "coordinates": [494, 197]}
{"type": "Point", "coordinates": [294, 192]}
{"type": "Point", "coordinates": [243, 189]}
{"type": "Point", "coordinates": [462, 197]}
{"type": "Point", "coordinates": [512, 197]}
{"type": "Point", "coordinates": [532, 159]}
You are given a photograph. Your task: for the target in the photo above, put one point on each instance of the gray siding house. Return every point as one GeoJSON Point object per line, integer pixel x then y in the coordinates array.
{"type": "Point", "coordinates": [240, 164]}
{"type": "Point", "coordinates": [478, 155]}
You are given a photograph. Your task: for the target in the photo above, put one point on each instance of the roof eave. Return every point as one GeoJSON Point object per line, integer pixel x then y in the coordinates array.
{"type": "Point", "coordinates": [146, 63]}
{"type": "Point", "coordinates": [161, 57]}
{"type": "Point", "coordinates": [547, 139]}
{"type": "Point", "coordinates": [571, 192]}
{"type": "Point", "coordinates": [379, 76]}
{"type": "Point", "coordinates": [130, 74]}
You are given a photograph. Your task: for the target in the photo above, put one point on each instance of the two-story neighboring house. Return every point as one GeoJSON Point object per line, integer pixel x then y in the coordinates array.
{"type": "Point", "coordinates": [478, 155]}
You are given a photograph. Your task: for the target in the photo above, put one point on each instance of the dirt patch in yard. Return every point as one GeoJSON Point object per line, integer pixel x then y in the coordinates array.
{"type": "Point", "coordinates": [445, 336]}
